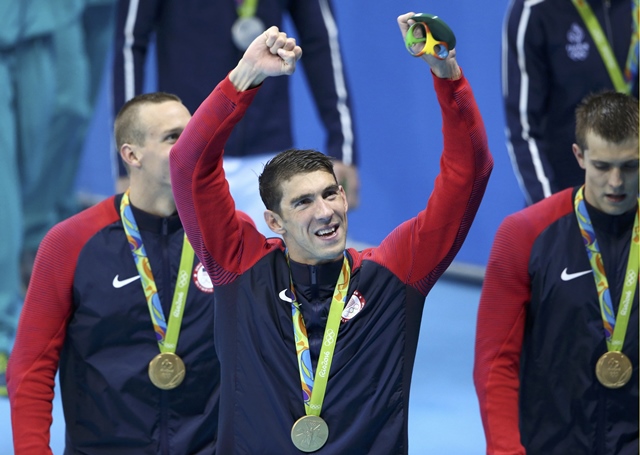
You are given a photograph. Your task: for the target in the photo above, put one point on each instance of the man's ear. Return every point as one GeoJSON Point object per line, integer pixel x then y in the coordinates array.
{"type": "Point", "coordinates": [579, 154]}
{"type": "Point", "coordinates": [274, 221]}
{"type": "Point", "coordinates": [129, 155]}
{"type": "Point", "coordinates": [344, 198]}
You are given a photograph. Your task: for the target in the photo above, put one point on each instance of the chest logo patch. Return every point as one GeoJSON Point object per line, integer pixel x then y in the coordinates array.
{"type": "Point", "coordinates": [202, 279]}
{"type": "Point", "coordinates": [284, 295]}
{"type": "Point", "coordinates": [566, 276]}
{"type": "Point", "coordinates": [577, 47]}
{"type": "Point", "coordinates": [118, 283]}
{"type": "Point", "coordinates": [355, 304]}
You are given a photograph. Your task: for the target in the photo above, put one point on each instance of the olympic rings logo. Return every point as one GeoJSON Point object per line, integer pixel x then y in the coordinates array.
{"type": "Point", "coordinates": [329, 338]}
{"type": "Point", "coordinates": [183, 279]}
{"type": "Point", "coordinates": [631, 278]}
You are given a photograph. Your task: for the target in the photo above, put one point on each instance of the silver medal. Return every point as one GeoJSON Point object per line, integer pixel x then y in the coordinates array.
{"type": "Point", "coordinates": [245, 30]}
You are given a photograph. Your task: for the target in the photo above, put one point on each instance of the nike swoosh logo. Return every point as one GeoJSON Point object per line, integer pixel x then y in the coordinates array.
{"type": "Point", "coordinates": [283, 295]}
{"type": "Point", "coordinates": [117, 283]}
{"type": "Point", "coordinates": [565, 276]}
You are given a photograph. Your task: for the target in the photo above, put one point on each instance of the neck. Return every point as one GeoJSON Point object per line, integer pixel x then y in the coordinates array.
{"type": "Point", "coordinates": [613, 225]}
{"type": "Point", "coordinates": [592, 209]}
{"type": "Point", "coordinates": [317, 262]}
{"type": "Point", "coordinates": [325, 273]}
{"type": "Point", "coordinates": [158, 203]}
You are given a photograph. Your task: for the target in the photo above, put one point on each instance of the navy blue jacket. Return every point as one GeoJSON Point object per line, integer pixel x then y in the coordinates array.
{"type": "Point", "coordinates": [367, 400]}
{"type": "Point", "coordinates": [540, 335]}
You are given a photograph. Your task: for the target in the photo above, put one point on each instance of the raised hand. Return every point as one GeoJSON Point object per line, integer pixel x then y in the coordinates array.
{"type": "Point", "coordinates": [445, 69]}
{"type": "Point", "coordinates": [271, 54]}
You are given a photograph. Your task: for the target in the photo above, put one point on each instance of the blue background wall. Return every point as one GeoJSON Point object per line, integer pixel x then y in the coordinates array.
{"type": "Point", "coordinates": [396, 114]}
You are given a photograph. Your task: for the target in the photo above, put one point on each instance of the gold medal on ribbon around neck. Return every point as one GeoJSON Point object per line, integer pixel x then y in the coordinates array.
{"type": "Point", "coordinates": [166, 371]}
{"type": "Point", "coordinates": [309, 433]}
{"type": "Point", "coordinates": [613, 369]}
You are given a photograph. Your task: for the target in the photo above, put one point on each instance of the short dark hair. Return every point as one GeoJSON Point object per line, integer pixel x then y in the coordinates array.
{"type": "Point", "coordinates": [283, 167]}
{"type": "Point", "coordinates": [127, 128]}
{"type": "Point", "coordinates": [611, 115]}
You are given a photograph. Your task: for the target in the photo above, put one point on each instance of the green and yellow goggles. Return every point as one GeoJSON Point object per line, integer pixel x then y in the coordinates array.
{"type": "Point", "coordinates": [429, 35]}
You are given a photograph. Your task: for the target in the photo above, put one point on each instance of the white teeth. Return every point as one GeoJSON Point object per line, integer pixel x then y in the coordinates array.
{"type": "Point", "coordinates": [326, 231]}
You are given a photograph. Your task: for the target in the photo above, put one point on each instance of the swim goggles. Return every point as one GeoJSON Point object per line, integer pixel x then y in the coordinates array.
{"type": "Point", "coordinates": [429, 35]}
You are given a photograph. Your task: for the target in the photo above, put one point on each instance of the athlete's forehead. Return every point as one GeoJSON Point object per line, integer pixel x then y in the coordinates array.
{"type": "Point", "coordinates": [307, 185]}
{"type": "Point", "coordinates": [164, 118]}
{"type": "Point", "coordinates": [600, 150]}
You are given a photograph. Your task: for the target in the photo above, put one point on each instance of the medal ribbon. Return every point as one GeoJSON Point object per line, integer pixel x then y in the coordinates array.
{"type": "Point", "coordinates": [631, 71]}
{"type": "Point", "coordinates": [615, 329]}
{"type": "Point", "coordinates": [314, 388]}
{"type": "Point", "coordinates": [166, 335]}
{"type": "Point", "coordinates": [604, 47]}
{"type": "Point", "coordinates": [246, 8]}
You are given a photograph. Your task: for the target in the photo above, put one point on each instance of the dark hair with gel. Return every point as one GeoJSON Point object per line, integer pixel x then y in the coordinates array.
{"type": "Point", "coordinates": [286, 165]}
{"type": "Point", "coordinates": [611, 115]}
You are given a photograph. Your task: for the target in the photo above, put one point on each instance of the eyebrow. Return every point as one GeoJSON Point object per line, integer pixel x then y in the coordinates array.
{"type": "Point", "coordinates": [176, 130]}
{"type": "Point", "coordinates": [333, 187]}
{"type": "Point", "coordinates": [622, 163]}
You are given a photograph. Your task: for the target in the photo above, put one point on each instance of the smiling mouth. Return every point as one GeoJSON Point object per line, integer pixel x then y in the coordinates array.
{"type": "Point", "coordinates": [327, 232]}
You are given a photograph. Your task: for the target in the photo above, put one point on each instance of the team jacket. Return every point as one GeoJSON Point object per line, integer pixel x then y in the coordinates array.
{"type": "Point", "coordinates": [194, 47]}
{"type": "Point", "coordinates": [367, 396]}
{"type": "Point", "coordinates": [549, 63]}
{"type": "Point", "coordinates": [540, 334]}
{"type": "Point", "coordinates": [86, 312]}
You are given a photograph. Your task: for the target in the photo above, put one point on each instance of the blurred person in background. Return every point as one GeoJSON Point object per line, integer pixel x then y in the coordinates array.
{"type": "Point", "coordinates": [554, 53]}
{"type": "Point", "coordinates": [200, 41]}
{"type": "Point", "coordinates": [28, 103]}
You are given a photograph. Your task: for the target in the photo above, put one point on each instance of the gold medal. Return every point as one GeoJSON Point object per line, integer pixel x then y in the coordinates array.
{"type": "Point", "coordinates": [613, 369]}
{"type": "Point", "coordinates": [166, 371]}
{"type": "Point", "coordinates": [309, 433]}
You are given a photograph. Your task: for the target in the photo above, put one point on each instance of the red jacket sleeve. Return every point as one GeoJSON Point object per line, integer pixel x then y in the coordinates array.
{"type": "Point", "coordinates": [43, 323]}
{"type": "Point", "coordinates": [500, 328]}
{"type": "Point", "coordinates": [505, 296]}
{"type": "Point", "coordinates": [218, 233]}
{"type": "Point", "coordinates": [421, 249]}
